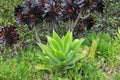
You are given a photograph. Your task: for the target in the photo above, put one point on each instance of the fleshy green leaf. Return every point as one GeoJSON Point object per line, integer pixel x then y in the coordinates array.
{"type": "Point", "coordinates": [59, 55]}
{"type": "Point", "coordinates": [69, 57]}
{"type": "Point", "coordinates": [57, 38]}
{"type": "Point", "coordinates": [54, 44]}
{"type": "Point", "coordinates": [50, 53]}
{"type": "Point", "coordinates": [93, 49]}
{"type": "Point", "coordinates": [76, 44]}
{"type": "Point", "coordinates": [67, 42]}
{"type": "Point", "coordinates": [78, 56]}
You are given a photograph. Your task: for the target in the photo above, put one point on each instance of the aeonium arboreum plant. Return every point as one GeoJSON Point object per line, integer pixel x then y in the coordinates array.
{"type": "Point", "coordinates": [63, 53]}
{"type": "Point", "coordinates": [8, 36]}
{"type": "Point", "coordinates": [33, 12]}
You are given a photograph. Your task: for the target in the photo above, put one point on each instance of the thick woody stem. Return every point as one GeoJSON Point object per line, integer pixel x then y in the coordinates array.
{"type": "Point", "coordinates": [75, 23]}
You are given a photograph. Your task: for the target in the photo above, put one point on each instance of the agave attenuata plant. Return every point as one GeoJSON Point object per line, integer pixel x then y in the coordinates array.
{"type": "Point", "coordinates": [63, 52]}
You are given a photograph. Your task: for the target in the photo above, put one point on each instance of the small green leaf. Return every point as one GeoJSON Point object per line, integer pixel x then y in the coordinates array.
{"type": "Point", "coordinates": [76, 44]}
{"type": "Point", "coordinates": [42, 67]}
{"type": "Point", "coordinates": [69, 66]}
{"type": "Point", "coordinates": [93, 49]}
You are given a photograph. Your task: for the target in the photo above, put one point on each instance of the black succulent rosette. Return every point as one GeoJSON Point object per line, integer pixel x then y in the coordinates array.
{"type": "Point", "coordinates": [100, 6]}
{"type": "Point", "coordinates": [93, 5]}
{"type": "Point", "coordinates": [89, 22]}
{"type": "Point", "coordinates": [33, 16]}
{"type": "Point", "coordinates": [52, 11]}
{"type": "Point", "coordinates": [79, 30]}
{"type": "Point", "coordinates": [8, 35]}
{"type": "Point", "coordinates": [18, 14]}
{"type": "Point", "coordinates": [30, 13]}
{"type": "Point", "coordinates": [71, 9]}
{"type": "Point", "coordinates": [75, 3]}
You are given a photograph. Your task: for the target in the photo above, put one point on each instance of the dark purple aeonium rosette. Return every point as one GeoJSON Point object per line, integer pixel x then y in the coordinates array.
{"type": "Point", "coordinates": [100, 6]}
{"type": "Point", "coordinates": [89, 22]}
{"type": "Point", "coordinates": [71, 9]}
{"type": "Point", "coordinates": [52, 11]}
{"type": "Point", "coordinates": [9, 35]}
{"type": "Point", "coordinates": [33, 17]}
{"type": "Point", "coordinates": [18, 14]}
{"type": "Point", "coordinates": [30, 13]}
{"type": "Point", "coordinates": [93, 5]}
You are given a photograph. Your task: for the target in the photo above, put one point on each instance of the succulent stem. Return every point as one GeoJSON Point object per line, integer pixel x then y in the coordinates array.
{"type": "Point", "coordinates": [37, 34]}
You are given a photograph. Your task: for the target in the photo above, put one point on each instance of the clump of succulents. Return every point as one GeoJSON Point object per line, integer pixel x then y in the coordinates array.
{"type": "Point", "coordinates": [8, 36]}
{"type": "Point", "coordinates": [32, 12]}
